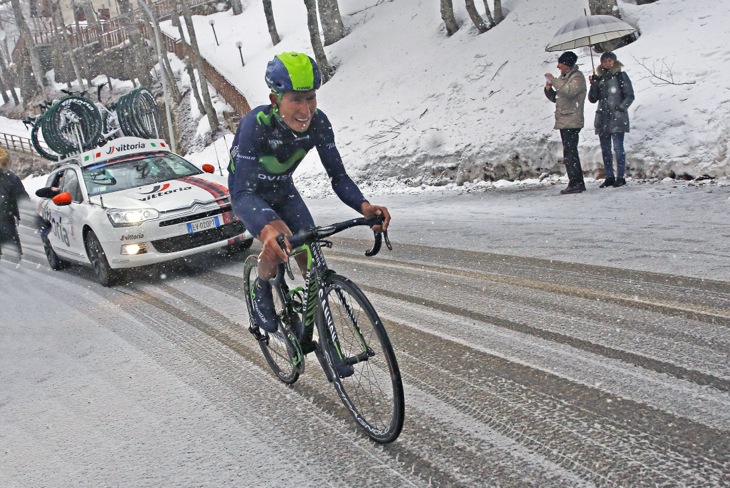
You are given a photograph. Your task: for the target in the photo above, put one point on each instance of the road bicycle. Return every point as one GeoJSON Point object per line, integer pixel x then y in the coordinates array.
{"type": "Point", "coordinates": [333, 318]}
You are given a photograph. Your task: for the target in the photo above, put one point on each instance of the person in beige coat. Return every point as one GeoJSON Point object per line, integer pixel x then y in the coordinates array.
{"type": "Point", "coordinates": [568, 92]}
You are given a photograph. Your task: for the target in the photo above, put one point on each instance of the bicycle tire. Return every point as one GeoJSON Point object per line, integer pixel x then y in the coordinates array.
{"type": "Point", "coordinates": [138, 114]}
{"type": "Point", "coordinates": [146, 115]}
{"type": "Point", "coordinates": [67, 137]}
{"type": "Point", "coordinates": [277, 348]}
{"type": "Point", "coordinates": [374, 393]}
{"type": "Point", "coordinates": [34, 139]}
{"type": "Point", "coordinates": [123, 114]}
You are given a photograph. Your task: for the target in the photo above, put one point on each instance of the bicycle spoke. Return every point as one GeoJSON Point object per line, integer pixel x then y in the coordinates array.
{"type": "Point", "coordinates": [374, 392]}
{"type": "Point", "coordinates": [281, 353]}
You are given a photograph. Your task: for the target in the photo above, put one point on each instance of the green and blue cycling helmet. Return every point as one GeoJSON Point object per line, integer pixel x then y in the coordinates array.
{"type": "Point", "coordinates": [292, 72]}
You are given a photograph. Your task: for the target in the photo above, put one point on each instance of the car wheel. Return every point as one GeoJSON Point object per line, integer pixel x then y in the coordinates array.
{"type": "Point", "coordinates": [54, 261]}
{"type": "Point", "coordinates": [105, 275]}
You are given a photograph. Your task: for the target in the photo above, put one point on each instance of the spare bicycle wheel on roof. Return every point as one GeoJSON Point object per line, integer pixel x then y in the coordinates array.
{"type": "Point", "coordinates": [138, 114]}
{"type": "Point", "coordinates": [36, 136]}
{"type": "Point", "coordinates": [73, 124]}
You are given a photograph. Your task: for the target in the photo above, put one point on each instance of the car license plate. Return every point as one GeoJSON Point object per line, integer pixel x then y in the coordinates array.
{"type": "Point", "coordinates": [201, 225]}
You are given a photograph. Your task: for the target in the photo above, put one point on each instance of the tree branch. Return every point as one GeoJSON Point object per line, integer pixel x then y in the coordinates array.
{"type": "Point", "coordinates": [665, 75]}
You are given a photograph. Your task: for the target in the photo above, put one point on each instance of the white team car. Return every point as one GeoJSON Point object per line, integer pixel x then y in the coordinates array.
{"type": "Point", "coordinates": [132, 203]}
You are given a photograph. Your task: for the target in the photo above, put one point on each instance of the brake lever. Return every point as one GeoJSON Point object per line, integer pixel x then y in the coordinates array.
{"type": "Point", "coordinates": [387, 241]}
{"type": "Point", "coordinates": [289, 272]}
{"type": "Point", "coordinates": [281, 240]}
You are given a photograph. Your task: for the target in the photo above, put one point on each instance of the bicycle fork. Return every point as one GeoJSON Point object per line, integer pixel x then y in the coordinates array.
{"type": "Point", "coordinates": [332, 341]}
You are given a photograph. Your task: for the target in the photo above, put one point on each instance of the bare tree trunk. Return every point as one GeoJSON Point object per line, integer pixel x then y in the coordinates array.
{"type": "Point", "coordinates": [329, 15]}
{"type": "Point", "coordinates": [167, 71]}
{"type": "Point", "coordinates": [236, 7]}
{"type": "Point", "coordinates": [475, 17]}
{"type": "Point", "coordinates": [138, 47]}
{"type": "Point", "coordinates": [447, 15]}
{"type": "Point", "coordinates": [57, 16]}
{"type": "Point", "coordinates": [492, 23]}
{"type": "Point", "coordinates": [9, 79]}
{"type": "Point", "coordinates": [89, 12]}
{"type": "Point", "coordinates": [30, 49]}
{"type": "Point", "coordinates": [604, 7]}
{"type": "Point", "coordinates": [498, 14]}
{"type": "Point", "coordinates": [195, 55]}
{"type": "Point", "coordinates": [189, 67]}
{"type": "Point", "coordinates": [314, 37]}
{"type": "Point", "coordinates": [269, 13]}
{"type": "Point", "coordinates": [164, 61]}
{"type": "Point", "coordinates": [4, 91]}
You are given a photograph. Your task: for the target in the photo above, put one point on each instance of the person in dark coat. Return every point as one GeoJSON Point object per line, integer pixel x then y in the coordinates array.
{"type": "Point", "coordinates": [612, 89]}
{"type": "Point", "coordinates": [11, 190]}
{"type": "Point", "coordinates": [568, 92]}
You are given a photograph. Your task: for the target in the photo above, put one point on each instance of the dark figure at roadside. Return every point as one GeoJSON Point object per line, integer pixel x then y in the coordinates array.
{"type": "Point", "coordinates": [45, 226]}
{"type": "Point", "coordinates": [611, 88]}
{"type": "Point", "coordinates": [11, 190]}
{"type": "Point", "coordinates": [568, 92]}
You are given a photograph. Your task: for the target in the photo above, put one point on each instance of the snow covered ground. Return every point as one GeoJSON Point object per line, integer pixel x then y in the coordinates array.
{"type": "Point", "coordinates": [411, 109]}
{"type": "Point", "coordinates": [416, 106]}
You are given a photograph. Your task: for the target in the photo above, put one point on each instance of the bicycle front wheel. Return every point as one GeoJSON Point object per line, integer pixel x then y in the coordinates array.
{"type": "Point", "coordinates": [277, 347]}
{"type": "Point", "coordinates": [374, 392]}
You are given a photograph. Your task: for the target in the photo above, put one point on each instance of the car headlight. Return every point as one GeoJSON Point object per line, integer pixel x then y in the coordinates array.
{"type": "Point", "coordinates": [130, 218]}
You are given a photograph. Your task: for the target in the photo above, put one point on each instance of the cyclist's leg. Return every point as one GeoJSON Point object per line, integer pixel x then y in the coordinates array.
{"type": "Point", "coordinates": [297, 217]}
{"type": "Point", "coordinates": [261, 219]}
{"type": "Point", "coordinates": [258, 215]}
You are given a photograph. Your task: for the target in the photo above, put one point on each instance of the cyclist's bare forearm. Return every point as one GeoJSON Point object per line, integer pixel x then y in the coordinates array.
{"type": "Point", "coordinates": [271, 253]}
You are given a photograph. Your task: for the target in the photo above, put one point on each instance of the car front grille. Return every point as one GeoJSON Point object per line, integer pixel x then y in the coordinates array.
{"type": "Point", "coordinates": [190, 218]}
{"type": "Point", "coordinates": [190, 241]}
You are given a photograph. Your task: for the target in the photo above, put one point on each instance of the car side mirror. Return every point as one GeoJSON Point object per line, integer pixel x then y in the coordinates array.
{"type": "Point", "coordinates": [209, 168]}
{"type": "Point", "coordinates": [62, 199]}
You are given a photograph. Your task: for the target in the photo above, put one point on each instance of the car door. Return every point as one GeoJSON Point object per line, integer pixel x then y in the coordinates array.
{"type": "Point", "coordinates": [68, 220]}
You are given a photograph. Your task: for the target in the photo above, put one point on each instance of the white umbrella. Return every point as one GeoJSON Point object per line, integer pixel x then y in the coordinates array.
{"type": "Point", "coordinates": [588, 30]}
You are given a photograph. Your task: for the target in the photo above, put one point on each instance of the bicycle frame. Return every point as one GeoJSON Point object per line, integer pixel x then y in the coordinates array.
{"type": "Point", "coordinates": [312, 301]}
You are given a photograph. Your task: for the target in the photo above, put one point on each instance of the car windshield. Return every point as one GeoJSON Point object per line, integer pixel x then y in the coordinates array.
{"type": "Point", "coordinates": [136, 171]}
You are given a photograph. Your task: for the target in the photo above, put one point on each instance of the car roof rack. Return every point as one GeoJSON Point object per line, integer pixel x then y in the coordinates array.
{"type": "Point", "coordinates": [121, 146]}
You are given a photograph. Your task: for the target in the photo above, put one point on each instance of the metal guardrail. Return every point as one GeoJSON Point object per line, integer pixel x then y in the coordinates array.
{"type": "Point", "coordinates": [222, 85]}
{"type": "Point", "coordinates": [19, 144]}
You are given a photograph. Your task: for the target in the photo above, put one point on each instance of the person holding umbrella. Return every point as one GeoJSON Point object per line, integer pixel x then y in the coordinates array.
{"type": "Point", "coordinates": [612, 89]}
{"type": "Point", "coordinates": [568, 92]}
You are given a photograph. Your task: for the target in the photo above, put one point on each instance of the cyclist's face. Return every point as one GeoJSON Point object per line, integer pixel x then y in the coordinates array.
{"type": "Point", "coordinates": [297, 109]}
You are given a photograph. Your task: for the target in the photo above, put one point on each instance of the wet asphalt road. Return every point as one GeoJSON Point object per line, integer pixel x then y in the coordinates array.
{"type": "Point", "coordinates": [518, 371]}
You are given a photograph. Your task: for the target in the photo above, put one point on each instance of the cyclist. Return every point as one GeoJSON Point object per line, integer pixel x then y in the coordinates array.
{"type": "Point", "coordinates": [269, 144]}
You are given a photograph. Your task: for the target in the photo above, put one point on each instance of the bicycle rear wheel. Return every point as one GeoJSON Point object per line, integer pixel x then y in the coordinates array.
{"type": "Point", "coordinates": [374, 393]}
{"type": "Point", "coordinates": [278, 347]}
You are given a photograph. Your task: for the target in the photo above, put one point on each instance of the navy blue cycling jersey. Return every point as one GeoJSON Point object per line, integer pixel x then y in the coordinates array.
{"type": "Point", "coordinates": [265, 153]}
